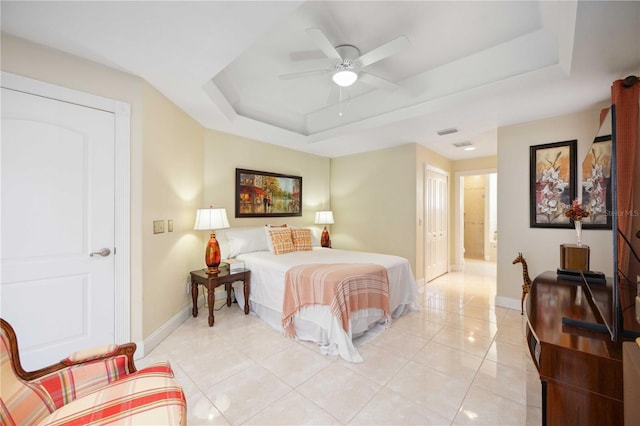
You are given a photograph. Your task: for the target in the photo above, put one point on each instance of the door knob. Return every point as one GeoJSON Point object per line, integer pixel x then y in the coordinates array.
{"type": "Point", "coordinates": [104, 252]}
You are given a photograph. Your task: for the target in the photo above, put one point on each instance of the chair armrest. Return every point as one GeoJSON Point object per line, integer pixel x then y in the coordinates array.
{"type": "Point", "coordinates": [127, 349]}
{"type": "Point", "coordinates": [102, 352]}
{"type": "Point", "coordinates": [98, 352]}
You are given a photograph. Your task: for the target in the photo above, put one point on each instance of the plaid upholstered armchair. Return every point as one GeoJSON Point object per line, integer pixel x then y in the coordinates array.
{"type": "Point", "coordinates": [97, 386]}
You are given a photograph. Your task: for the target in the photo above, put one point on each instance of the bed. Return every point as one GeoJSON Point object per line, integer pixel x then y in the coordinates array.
{"type": "Point", "coordinates": [316, 323]}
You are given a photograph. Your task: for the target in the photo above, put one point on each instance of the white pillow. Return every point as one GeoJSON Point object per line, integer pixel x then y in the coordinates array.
{"type": "Point", "coordinates": [245, 240]}
{"type": "Point", "coordinates": [221, 236]}
{"type": "Point", "coordinates": [315, 237]}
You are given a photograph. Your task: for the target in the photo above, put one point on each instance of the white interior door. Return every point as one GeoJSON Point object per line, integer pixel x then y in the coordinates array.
{"type": "Point", "coordinates": [436, 212]}
{"type": "Point", "coordinates": [57, 208]}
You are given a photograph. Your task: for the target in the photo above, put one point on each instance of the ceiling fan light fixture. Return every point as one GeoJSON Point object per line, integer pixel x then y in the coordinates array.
{"type": "Point", "coordinates": [344, 78]}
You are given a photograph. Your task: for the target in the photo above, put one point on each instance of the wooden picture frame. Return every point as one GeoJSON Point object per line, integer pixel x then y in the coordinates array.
{"type": "Point", "coordinates": [266, 194]}
{"type": "Point", "coordinates": [596, 184]}
{"type": "Point", "coordinates": [552, 180]}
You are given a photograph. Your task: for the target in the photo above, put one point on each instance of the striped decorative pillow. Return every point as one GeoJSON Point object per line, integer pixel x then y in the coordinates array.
{"type": "Point", "coordinates": [301, 239]}
{"type": "Point", "coordinates": [281, 240]}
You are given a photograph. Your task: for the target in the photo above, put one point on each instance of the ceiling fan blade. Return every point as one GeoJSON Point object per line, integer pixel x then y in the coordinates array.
{"type": "Point", "coordinates": [301, 74]}
{"type": "Point", "coordinates": [384, 51]}
{"type": "Point", "coordinates": [323, 43]}
{"type": "Point", "coordinates": [379, 82]}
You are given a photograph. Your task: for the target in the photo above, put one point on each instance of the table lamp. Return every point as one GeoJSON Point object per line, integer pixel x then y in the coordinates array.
{"type": "Point", "coordinates": [211, 219]}
{"type": "Point", "coordinates": [324, 218]}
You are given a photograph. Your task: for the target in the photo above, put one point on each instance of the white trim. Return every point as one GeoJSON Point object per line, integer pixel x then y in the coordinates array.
{"type": "Point", "coordinates": [164, 331]}
{"type": "Point", "coordinates": [48, 90]}
{"type": "Point", "coordinates": [144, 347]}
{"type": "Point", "coordinates": [436, 169]}
{"type": "Point", "coordinates": [456, 268]}
{"type": "Point", "coordinates": [122, 237]}
{"type": "Point", "coordinates": [507, 302]}
{"type": "Point", "coordinates": [122, 215]}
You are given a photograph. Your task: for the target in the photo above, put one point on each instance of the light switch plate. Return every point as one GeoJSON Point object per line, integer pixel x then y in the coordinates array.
{"type": "Point", "coordinates": [158, 226]}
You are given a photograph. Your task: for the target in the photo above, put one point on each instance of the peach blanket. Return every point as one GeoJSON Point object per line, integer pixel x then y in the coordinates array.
{"type": "Point", "coordinates": [344, 287]}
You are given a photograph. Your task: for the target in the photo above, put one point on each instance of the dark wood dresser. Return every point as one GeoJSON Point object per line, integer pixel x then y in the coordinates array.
{"type": "Point", "coordinates": [580, 370]}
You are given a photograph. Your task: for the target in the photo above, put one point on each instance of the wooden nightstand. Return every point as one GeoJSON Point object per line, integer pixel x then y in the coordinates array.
{"type": "Point", "coordinates": [211, 281]}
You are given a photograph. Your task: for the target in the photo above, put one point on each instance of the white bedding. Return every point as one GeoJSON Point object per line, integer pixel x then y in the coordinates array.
{"type": "Point", "coordinates": [316, 323]}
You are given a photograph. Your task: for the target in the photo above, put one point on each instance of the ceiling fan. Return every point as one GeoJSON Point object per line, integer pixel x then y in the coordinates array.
{"type": "Point", "coordinates": [349, 64]}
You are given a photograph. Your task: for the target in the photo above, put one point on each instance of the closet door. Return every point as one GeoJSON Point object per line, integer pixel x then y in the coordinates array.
{"type": "Point", "coordinates": [436, 212]}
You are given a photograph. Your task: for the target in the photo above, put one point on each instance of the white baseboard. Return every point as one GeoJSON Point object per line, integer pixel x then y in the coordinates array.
{"type": "Point", "coordinates": [147, 345]}
{"type": "Point", "coordinates": [163, 332]}
{"type": "Point", "coordinates": [455, 268]}
{"type": "Point", "coordinates": [508, 302]}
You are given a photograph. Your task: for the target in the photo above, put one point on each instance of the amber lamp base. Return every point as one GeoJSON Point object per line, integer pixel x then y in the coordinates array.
{"type": "Point", "coordinates": [325, 241]}
{"type": "Point", "coordinates": [212, 254]}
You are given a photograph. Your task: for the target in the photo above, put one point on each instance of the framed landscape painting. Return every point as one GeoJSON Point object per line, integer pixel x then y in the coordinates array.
{"type": "Point", "coordinates": [596, 184]}
{"type": "Point", "coordinates": [266, 194]}
{"type": "Point", "coordinates": [552, 179]}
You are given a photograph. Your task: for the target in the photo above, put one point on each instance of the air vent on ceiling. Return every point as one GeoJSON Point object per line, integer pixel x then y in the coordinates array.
{"type": "Point", "coordinates": [461, 144]}
{"type": "Point", "coordinates": [447, 131]}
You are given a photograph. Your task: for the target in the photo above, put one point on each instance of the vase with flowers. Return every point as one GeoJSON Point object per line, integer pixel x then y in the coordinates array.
{"type": "Point", "coordinates": [576, 213]}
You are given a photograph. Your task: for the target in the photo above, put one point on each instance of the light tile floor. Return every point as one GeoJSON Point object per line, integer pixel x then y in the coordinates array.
{"type": "Point", "coordinates": [460, 360]}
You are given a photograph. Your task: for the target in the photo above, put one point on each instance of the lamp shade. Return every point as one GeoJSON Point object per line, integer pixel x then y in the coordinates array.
{"type": "Point", "coordinates": [324, 217]}
{"type": "Point", "coordinates": [208, 219]}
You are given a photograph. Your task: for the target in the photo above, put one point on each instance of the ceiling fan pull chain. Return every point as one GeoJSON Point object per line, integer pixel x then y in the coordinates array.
{"type": "Point", "coordinates": [340, 102]}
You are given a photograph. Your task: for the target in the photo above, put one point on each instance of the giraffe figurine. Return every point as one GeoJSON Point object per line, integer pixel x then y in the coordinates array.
{"type": "Point", "coordinates": [526, 284]}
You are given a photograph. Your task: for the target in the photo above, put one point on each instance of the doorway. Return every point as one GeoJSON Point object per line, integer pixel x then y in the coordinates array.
{"type": "Point", "coordinates": [476, 221]}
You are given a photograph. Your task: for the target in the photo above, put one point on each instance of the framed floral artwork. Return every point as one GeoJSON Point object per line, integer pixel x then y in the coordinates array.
{"type": "Point", "coordinates": [552, 179]}
{"type": "Point", "coordinates": [596, 184]}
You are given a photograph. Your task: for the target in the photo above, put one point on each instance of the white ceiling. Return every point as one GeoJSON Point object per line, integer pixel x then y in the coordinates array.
{"type": "Point", "coordinates": [473, 66]}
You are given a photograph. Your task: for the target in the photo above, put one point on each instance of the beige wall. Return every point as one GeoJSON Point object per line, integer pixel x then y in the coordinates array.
{"type": "Point", "coordinates": [377, 198]}
{"type": "Point", "coordinates": [540, 246]}
{"type": "Point", "coordinates": [172, 177]}
{"type": "Point", "coordinates": [373, 199]}
{"type": "Point", "coordinates": [475, 164]}
{"type": "Point", "coordinates": [223, 153]}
